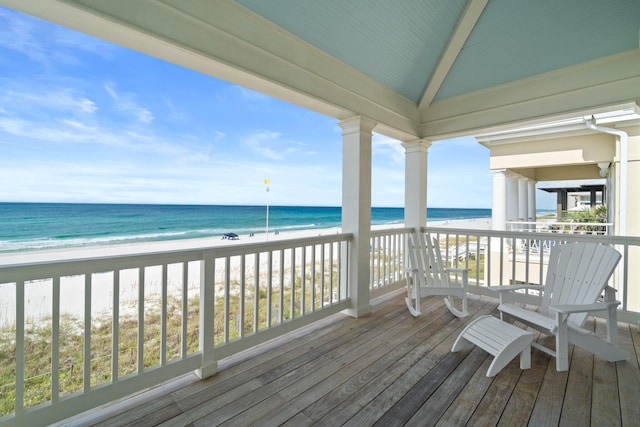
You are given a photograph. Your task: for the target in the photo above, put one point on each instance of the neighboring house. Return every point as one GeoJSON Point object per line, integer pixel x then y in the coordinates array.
{"type": "Point", "coordinates": [602, 151]}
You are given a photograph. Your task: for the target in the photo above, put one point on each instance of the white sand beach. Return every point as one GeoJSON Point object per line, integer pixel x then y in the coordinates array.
{"type": "Point", "coordinates": [53, 255]}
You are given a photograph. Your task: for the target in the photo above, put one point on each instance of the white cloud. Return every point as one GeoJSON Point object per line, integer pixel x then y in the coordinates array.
{"type": "Point", "coordinates": [57, 101]}
{"type": "Point", "coordinates": [126, 103]}
{"type": "Point", "coordinates": [388, 147]}
{"type": "Point", "coordinates": [260, 143]}
{"type": "Point", "coordinates": [35, 39]}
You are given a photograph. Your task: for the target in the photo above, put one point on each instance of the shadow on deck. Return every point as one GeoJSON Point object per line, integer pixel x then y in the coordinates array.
{"type": "Point", "coordinates": [391, 369]}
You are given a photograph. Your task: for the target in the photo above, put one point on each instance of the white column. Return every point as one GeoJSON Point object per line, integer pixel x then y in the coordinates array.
{"type": "Point", "coordinates": [356, 207]}
{"type": "Point", "coordinates": [415, 183]}
{"type": "Point", "coordinates": [523, 199]}
{"type": "Point", "coordinates": [532, 200]}
{"type": "Point", "coordinates": [512, 197]}
{"type": "Point", "coordinates": [499, 200]}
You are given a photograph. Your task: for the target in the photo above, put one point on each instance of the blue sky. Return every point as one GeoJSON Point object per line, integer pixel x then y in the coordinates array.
{"type": "Point", "coordinates": [83, 120]}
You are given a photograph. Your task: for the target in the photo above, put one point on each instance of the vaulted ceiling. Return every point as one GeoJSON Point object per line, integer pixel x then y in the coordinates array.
{"type": "Point", "coordinates": [420, 68]}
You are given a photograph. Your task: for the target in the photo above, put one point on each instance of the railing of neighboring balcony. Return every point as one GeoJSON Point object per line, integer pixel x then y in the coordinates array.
{"type": "Point", "coordinates": [599, 228]}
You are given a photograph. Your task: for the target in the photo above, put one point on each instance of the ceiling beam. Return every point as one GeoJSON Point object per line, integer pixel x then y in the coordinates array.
{"type": "Point", "coordinates": [467, 22]}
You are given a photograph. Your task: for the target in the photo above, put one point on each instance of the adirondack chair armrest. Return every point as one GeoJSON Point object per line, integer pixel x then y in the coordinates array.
{"type": "Point", "coordinates": [506, 289]}
{"type": "Point", "coordinates": [583, 308]}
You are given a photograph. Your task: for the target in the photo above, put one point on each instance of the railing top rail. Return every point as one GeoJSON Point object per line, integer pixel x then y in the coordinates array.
{"type": "Point", "coordinates": [622, 240]}
{"type": "Point", "coordinates": [551, 223]}
{"type": "Point", "coordinates": [391, 231]}
{"type": "Point", "coordinates": [135, 256]}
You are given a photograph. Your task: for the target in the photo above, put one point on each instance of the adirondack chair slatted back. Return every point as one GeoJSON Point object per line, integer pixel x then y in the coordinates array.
{"type": "Point", "coordinates": [577, 274]}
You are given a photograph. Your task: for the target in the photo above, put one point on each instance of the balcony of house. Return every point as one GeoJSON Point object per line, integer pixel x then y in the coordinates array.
{"type": "Point", "coordinates": [116, 340]}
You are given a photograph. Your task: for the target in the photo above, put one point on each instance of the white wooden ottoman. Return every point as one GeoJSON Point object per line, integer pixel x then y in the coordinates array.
{"type": "Point", "coordinates": [500, 339]}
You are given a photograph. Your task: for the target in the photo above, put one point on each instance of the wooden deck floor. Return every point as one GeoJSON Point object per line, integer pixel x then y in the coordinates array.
{"type": "Point", "coordinates": [390, 369]}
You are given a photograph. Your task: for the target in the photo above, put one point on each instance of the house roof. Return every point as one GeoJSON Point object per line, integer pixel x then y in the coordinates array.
{"type": "Point", "coordinates": [574, 186]}
{"type": "Point", "coordinates": [419, 68]}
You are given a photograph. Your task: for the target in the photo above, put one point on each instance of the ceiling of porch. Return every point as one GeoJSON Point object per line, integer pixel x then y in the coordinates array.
{"type": "Point", "coordinates": [426, 68]}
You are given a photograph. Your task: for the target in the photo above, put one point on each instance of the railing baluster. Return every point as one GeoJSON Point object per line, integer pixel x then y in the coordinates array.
{"type": "Point", "coordinates": [313, 278]}
{"type": "Point", "coordinates": [55, 341]}
{"type": "Point", "coordinates": [269, 287]}
{"type": "Point", "coordinates": [331, 281]}
{"type": "Point", "coordinates": [281, 296]}
{"type": "Point", "coordinates": [20, 360]}
{"type": "Point", "coordinates": [87, 334]}
{"type": "Point", "coordinates": [115, 322]}
{"type": "Point", "coordinates": [241, 311]}
{"type": "Point", "coordinates": [227, 299]}
{"type": "Point", "coordinates": [256, 292]}
{"type": "Point", "coordinates": [303, 281]}
{"type": "Point", "coordinates": [140, 354]}
{"type": "Point", "coordinates": [185, 310]}
{"type": "Point", "coordinates": [323, 271]}
{"type": "Point", "coordinates": [163, 316]}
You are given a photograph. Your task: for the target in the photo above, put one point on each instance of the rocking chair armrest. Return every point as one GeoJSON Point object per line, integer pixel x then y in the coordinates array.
{"type": "Point", "coordinates": [457, 270]}
{"type": "Point", "coordinates": [582, 308]}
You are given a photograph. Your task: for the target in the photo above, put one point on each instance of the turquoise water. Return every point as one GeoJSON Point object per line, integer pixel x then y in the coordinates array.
{"type": "Point", "coordinates": [31, 226]}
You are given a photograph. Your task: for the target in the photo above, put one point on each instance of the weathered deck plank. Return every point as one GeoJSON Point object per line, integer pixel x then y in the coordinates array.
{"type": "Point", "coordinates": [362, 397]}
{"type": "Point", "coordinates": [604, 410]}
{"type": "Point", "coordinates": [628, 379]}
{"type": "Point", "coordinates": [392, 369]}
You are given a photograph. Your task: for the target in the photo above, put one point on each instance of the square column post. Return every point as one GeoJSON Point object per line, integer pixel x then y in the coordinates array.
{"type": "Point", "coordinates": [356, 208]}
{"type": "Point", "coordinates": [415, 183]}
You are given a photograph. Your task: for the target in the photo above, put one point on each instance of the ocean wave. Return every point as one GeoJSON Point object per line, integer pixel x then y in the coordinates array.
{"type": "Point", "coordinates": [71, 242]}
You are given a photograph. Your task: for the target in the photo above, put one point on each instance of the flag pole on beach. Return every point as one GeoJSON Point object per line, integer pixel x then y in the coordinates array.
{"type": "Point", "coordinates": [266, 182]}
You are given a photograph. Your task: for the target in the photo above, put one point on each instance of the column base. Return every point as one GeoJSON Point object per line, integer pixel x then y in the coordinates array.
{"type": "Point", "coordinates": [207, 371]}
{"type": "Point", "coordinates": [357, 312]}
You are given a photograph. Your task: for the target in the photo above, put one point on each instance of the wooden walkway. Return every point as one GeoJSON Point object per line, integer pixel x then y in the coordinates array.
{"type": "Point", "coordinates": [389, 369]}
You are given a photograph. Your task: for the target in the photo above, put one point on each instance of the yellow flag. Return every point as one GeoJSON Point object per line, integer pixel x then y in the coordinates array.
{"type": "Point", "coordinates": [266, 182]}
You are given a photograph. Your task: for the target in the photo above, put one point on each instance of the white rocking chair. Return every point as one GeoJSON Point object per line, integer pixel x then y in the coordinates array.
{"type": "Point", "coordinates": [576, 277]}
{"type": "Point", "coordinates": [427, 275]}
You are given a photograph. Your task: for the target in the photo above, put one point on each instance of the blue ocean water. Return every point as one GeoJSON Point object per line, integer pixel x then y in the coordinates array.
{"type": "Point", "coordinates": [32, 226]}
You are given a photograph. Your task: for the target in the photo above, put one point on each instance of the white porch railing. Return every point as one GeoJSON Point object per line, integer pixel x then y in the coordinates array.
{"type": "Point", "coordinates": [83, 332]}
{"type": "Point", "coordinates": [387, 260]}
{"type": "Point", "coordinates": [505, 257]}
{"type": "Point", "coordinates": [80, 333]}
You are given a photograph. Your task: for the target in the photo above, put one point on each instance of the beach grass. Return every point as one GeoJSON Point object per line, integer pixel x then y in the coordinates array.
{"type": "Point", "coordinates": [286, 302]}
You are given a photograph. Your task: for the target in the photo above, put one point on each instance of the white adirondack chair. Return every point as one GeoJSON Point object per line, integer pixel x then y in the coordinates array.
{"type": "Point", "coordinates": [428, 275]}
{"type": "Point", "coordinates": [576, 277]}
